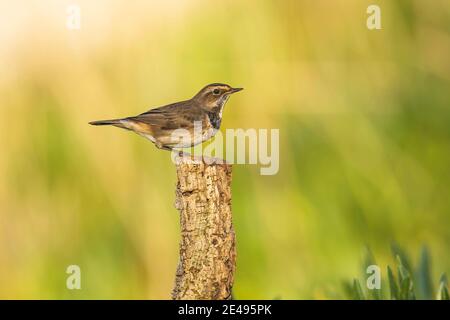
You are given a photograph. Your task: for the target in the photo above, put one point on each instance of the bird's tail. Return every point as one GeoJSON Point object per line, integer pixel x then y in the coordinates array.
{"type": "Point", "coordinates": [112, 122]}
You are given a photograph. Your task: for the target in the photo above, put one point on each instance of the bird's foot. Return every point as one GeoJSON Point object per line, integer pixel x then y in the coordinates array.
{"type": "Point", "coordinates": [197, 159]}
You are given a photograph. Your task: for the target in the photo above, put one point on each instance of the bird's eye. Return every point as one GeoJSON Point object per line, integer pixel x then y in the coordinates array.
{"type": "Point", "coordinates": [216, 91]}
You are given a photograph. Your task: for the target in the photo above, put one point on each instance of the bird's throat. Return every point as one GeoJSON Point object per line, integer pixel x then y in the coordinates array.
{"type": "Point", "coordinates": [215, 115]}
{"type": "Point", "coordinates": [215, 119]}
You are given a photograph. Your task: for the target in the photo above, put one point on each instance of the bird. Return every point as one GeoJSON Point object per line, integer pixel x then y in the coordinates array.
{"type": "Point", "coordinates": [181, 124]}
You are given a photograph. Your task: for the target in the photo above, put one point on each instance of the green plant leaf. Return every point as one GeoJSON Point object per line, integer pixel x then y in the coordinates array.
{"type": "Point", "coordinates": [406, 283]}
{"type": "Point", "coordinates": [443, 292]}
{"type": "Point", "coordinates": [392, 285]}
{"type": "Point", "coordinates": [369, 260]}
{"type": "Point", "coordinates": [403, 283]}
{"type": "Point", "coordinates": [358, 293]}
{"type": "Point", "coordinates": [376, 294]}
{"type": "Point", "coordinates": [423, 276]}
{"type": "Point", "coordinates": [398, 251]}
{"type": "Point", "coordinates": [403, 272]}
{"type": "Point", "coordinates": [347, 287]}
{"type": "Point", "coordinates": [443, 289]}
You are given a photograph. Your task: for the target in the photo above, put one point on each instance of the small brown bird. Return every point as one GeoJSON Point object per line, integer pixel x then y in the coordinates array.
{"type": "Point", "coordinates": [181, 124]}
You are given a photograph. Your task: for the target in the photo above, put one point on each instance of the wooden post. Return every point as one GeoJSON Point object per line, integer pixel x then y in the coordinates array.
{"type": "Point", "coordinates": [207, 249]}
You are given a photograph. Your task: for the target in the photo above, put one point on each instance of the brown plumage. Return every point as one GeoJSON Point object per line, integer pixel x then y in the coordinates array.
{"type": "Point", "coordinates": [181, 124]}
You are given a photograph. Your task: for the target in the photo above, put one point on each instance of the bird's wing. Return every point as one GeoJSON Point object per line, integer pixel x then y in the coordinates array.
{"type": "Point", "coordinates": [157, 122]}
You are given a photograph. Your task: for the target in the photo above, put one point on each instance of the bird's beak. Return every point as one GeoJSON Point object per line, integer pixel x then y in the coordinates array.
{"type": "Point", "coordinates": [233, 90]}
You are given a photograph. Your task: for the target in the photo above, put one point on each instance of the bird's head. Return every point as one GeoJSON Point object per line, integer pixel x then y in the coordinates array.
{"type": "Point", "coordinates": [214, 95]}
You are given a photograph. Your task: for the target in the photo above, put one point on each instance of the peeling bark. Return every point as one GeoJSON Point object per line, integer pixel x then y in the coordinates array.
{"type": "Point", "coordinates": [207, 249]}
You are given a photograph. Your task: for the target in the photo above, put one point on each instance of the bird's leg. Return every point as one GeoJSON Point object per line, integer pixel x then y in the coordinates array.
{"type": "Point", "coordinates": [213, 160]}
{"type": "Point", "coordinates": [190, 156]}
{"type": "Point", "coordinates": [193, 157]}
{"type": "Point", "coordinates": [160, 146]}
{"type": "Point", "coordinates": [183, 154]}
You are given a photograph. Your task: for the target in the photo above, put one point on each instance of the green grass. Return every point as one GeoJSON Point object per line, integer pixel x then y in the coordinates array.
{"type": "Point", "coordinates": [407, 282]}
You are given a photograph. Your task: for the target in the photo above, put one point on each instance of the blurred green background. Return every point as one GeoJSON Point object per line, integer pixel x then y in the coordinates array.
{"type": "Point", "coordinates": [364, 119]}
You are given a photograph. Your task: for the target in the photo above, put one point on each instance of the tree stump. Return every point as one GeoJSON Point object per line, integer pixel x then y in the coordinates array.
{"type": "Point", "coordinates": [207, 249]}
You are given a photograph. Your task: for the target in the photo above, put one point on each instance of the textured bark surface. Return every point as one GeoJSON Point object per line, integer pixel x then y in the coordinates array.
{"type": "Point", "coordinates": [207, 249]}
